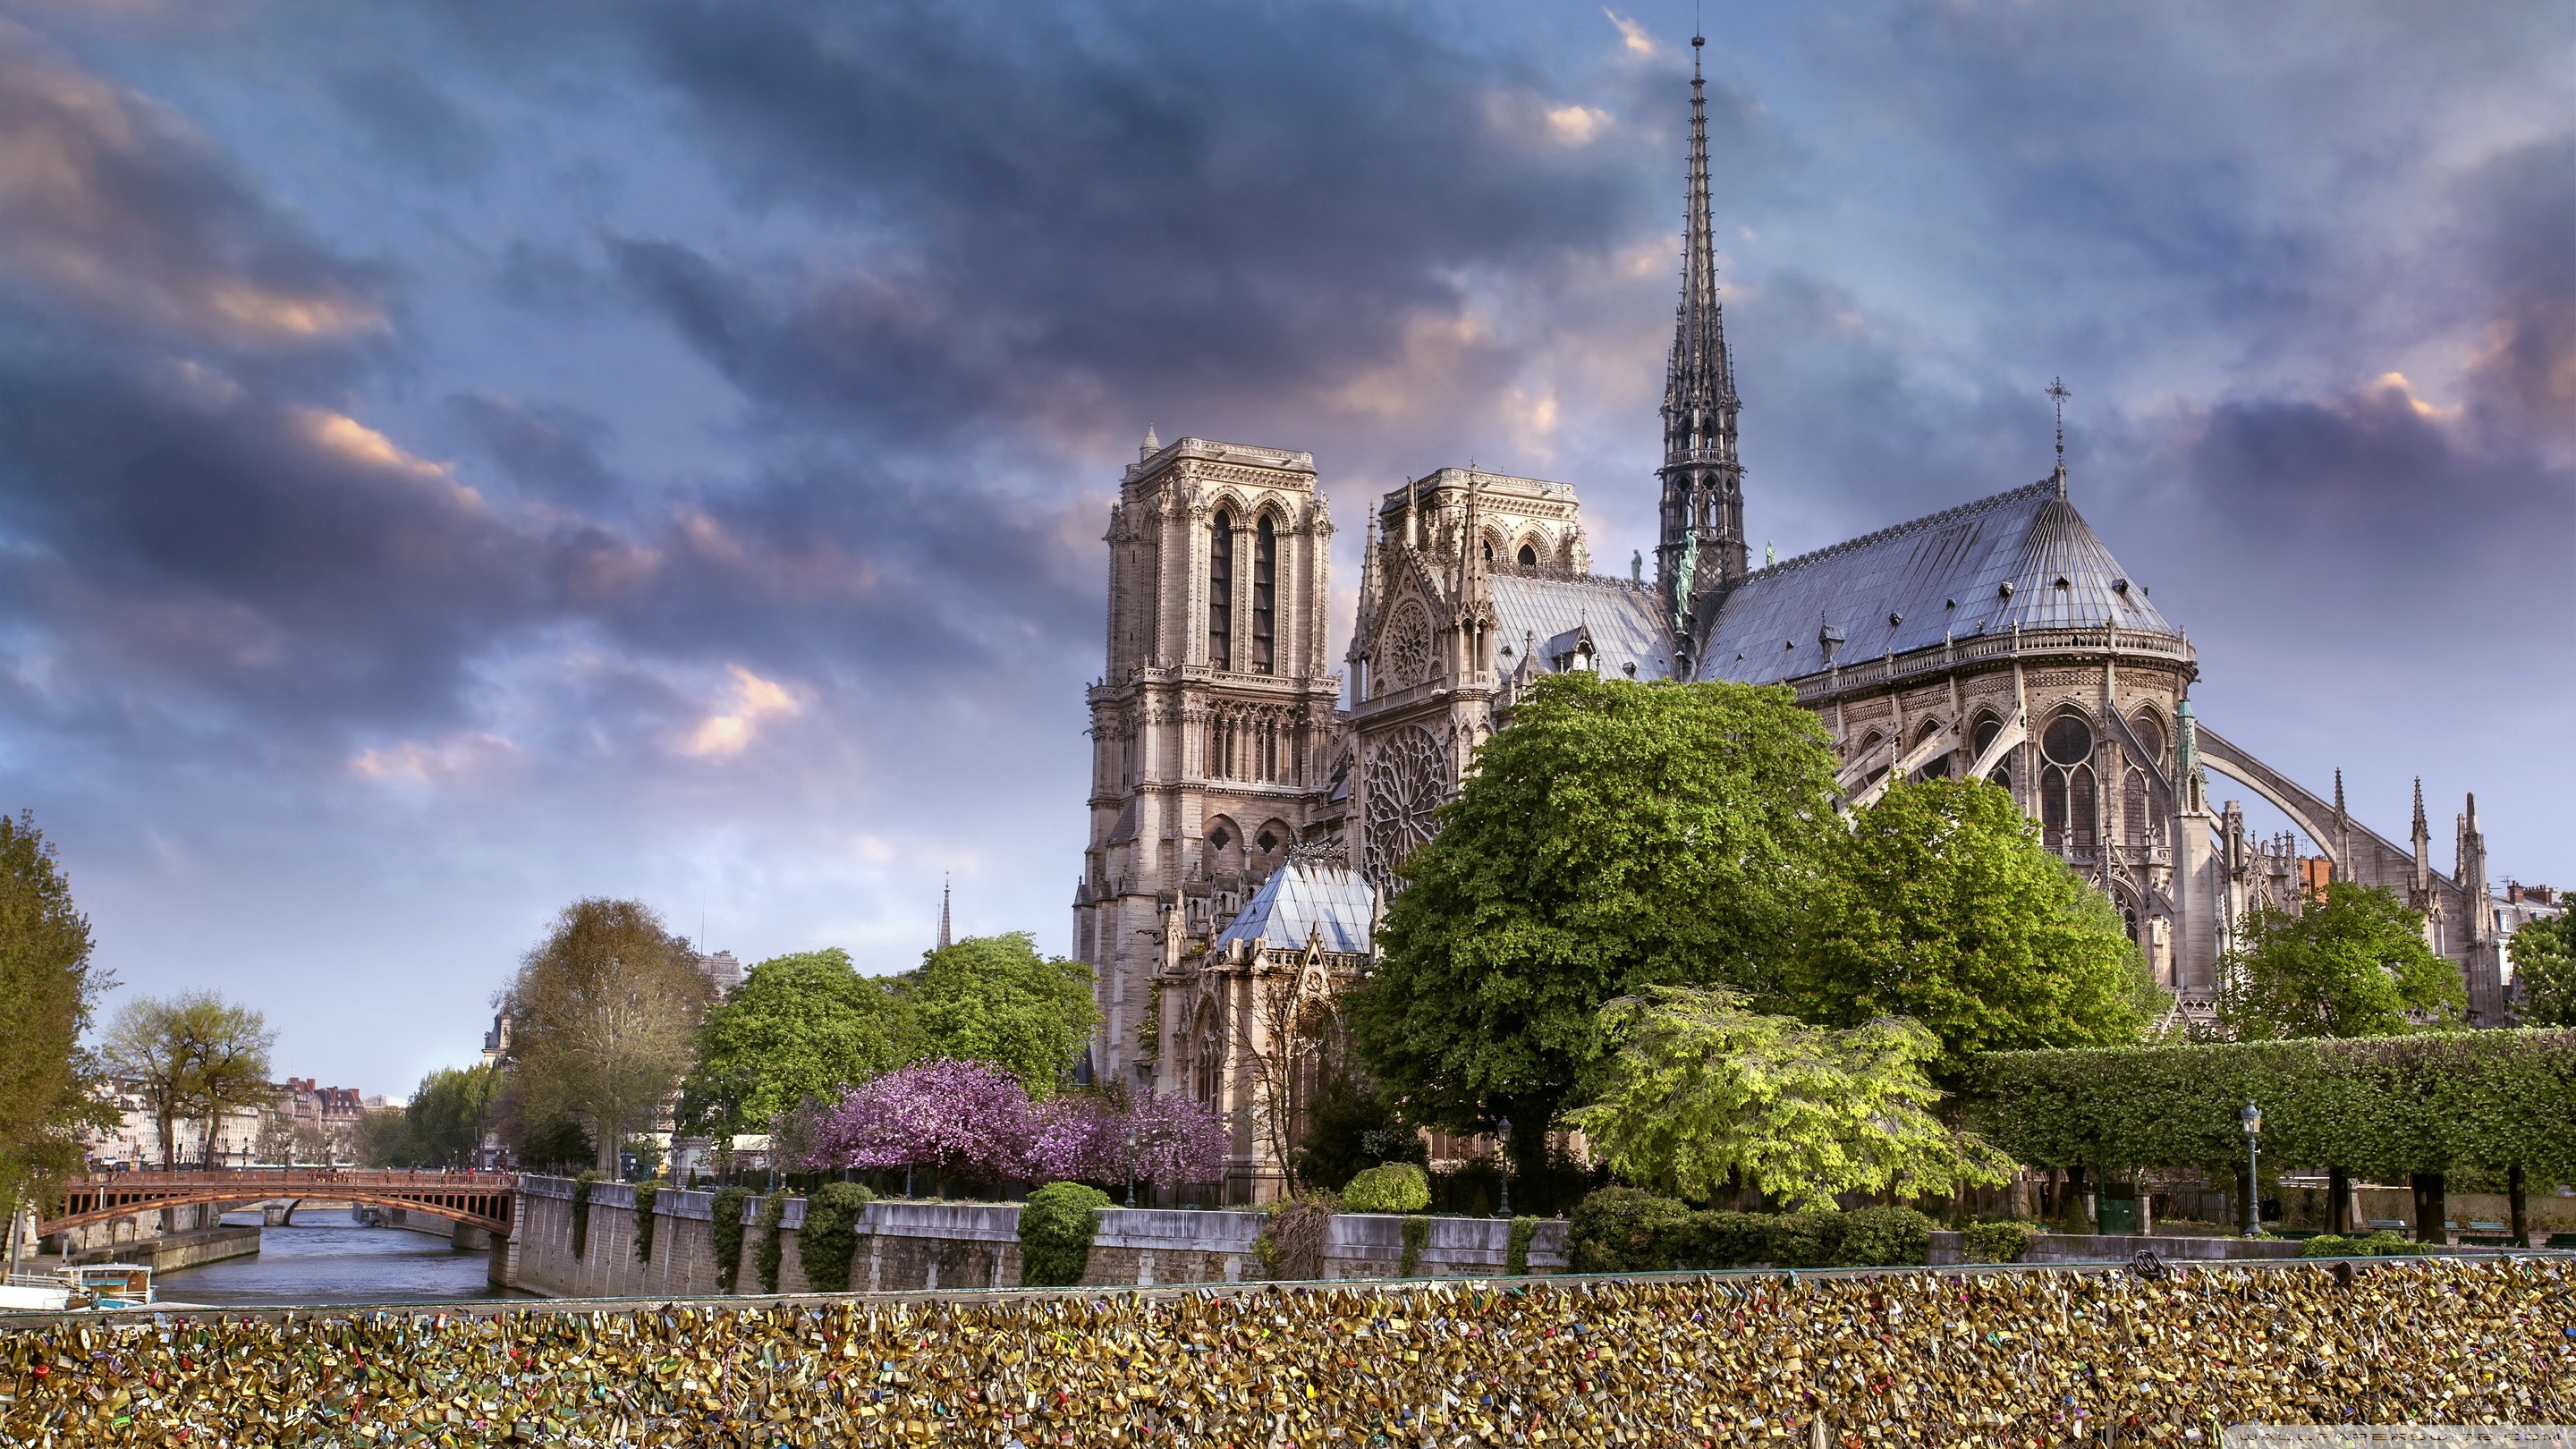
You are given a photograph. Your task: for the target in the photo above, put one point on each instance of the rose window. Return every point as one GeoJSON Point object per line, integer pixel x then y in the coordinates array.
{"type": "Point", "coordinates": [1405, 648]}
{"type": "Point", "coordinates": [1408, 777]}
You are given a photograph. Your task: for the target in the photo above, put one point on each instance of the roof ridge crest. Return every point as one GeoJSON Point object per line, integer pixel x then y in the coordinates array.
{"type": "Point", "coordinates": [1947, 515]}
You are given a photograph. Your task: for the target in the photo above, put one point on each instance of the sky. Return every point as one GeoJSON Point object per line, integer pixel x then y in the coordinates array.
{"type": "Point", "coordinates": [459, 456]}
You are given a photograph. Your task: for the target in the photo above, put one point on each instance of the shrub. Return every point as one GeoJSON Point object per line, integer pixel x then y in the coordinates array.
{"type": "Point", "coordinates": [767, 1253]}
{"type": "Point", "coordinates": [725, 1231]}
{"type": "Point", "coordinates": [1516, 1248]}
{"type": "Point", "coordinates": [1057, 1224]}
{"type": "Point", "coordinates": [2381, 1244]}
{"type": "Point", "coordinates": [2327, 1245]}
{"type": "Point", "coordinates": [831, 1235]}
{"type": "Point", "coordinates": [1417, 1236]}
{"type": "Point", "coordinates": [1997, 1242]}
{"type": "Point", "coordinates": [1807, 1239]}
{"type": "Point", "coordinates": [1394, 1187]}
{"type": "Point", "coordinates": [581, 1187]}
{"type": "Point", "coordinates": [1291, 1245]}
{"type": "Point", "coordinates": [1617, 1229]}
{"type": "Point", "coordinates": [645, 1192]}
{"type": "Point", "coordinates": [1715, 1240]}
{"type": "Point", "coordinates": [1884, 1237]}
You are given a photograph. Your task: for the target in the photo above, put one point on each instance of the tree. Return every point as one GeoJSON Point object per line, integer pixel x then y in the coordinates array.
{"type": "Point", "coordinates": [448, 1115]}
{"type": "Point", "coordinates": [995, 999]}
{"type": "Point", "coordinates": [1114, 1136]}
{"type": "Point", "coordinates": [195, 1057]}
{"type": "Point", "coordinates": [1945, 909]}
{"type": "Point", "coordinates": [602, 1015]}
{"type": "Point", "coordinates": [953, 1119]}
{"type": "Point", "coordinates": [1701, 1094]}
{"type": "Point", "coordinates": [48, 994]}
{"type": "Point", "coordinates": [806, 1025]}
{"type": "Point", "coordinates": [2353, 963]}
{"type": "Point", "coordinates": [2544, 961]}
{"type": "Point", "coordinates": [1616, 836]}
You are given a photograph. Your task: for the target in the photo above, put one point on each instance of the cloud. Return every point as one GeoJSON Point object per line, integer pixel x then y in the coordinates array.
{"type": "Point", "coordinates": [116, 206]}
{"type": "Point", "coordinates": [753, 699]}
{"type": "Point", "coordinates": [1633, 37]}
{"type": "Point", "coordinates": [414, 124]}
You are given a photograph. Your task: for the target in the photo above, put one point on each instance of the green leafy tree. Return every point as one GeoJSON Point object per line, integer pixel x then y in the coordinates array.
{"type": "Point", "coordinates": [49, 1086]}
{"type": "Point", "coordinates": [2544, 961]}
{"type": "Point", "coordinates": [995, 999]}
{"type": "Point", "coordinates": [1945, 909]}
{"type": "Point", "coordinates": [603, 1014]}
{"type": "Point", "coordinates": [195, 1057]}
{"type": "Point", "coordinates": [1701, 1094]}
{"type": "Point", "coordinates": [800, 1026]}
{"type": "Point", "coordinates": [2351, 964]}
{"type": "Point", "coordinates": [1616, 836]}
{"type": "Point", "coordinates": [448, 1115]}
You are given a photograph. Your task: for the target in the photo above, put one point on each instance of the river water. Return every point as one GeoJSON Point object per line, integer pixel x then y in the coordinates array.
{"type": "Point", "coordinates": [336, 1262]}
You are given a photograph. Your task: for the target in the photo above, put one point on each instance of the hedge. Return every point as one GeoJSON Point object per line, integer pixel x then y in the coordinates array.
{"type": "Point", "coordinates": [1393, 1187]}
{"type": "Point", "coordinates": [830, 1237]}
{"type": "Point", "coordinates": [1056, 1227]}
{"type": "Point", "coordinates": [725, 1229]}
{"type": "Point", "coordinates": [1624, 1230]}
{"type": "Point", "coordinates": [2378, 1105]}
{"type": "Point", "coordinates": [771, 1250]}
{"type": "Point", "coordinates": [2005, 1241]}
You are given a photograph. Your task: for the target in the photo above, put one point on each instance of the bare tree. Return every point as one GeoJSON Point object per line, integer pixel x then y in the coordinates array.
{"type": "Point", "coordinates": [603, 1013]}
{"type": "Point", "coordinates": [1286, 1040]}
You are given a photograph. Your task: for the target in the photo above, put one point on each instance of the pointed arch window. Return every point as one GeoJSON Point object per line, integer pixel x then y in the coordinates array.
{"type": "Point", "coordinates": [1529, 557]}
{"type": "Point", "coordinates": [1265, 578]}
{"type": "Point", "coordinates": [1221, 592]}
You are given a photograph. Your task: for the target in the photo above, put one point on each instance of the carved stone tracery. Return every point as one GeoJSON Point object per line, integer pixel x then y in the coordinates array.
{"type": "Point", "coordinates": [1408, 778]}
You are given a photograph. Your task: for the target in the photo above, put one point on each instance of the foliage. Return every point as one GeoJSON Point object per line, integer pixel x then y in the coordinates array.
{"type": "Point", "coordinates": [443, 1124]}
{"type": "Point", "coordinates": [645, 1192]}
{"type": "Point", "coordinates": [603, 1012]}
{"type": "Point", "coordinates": [2381, 1244]}
{"type": "Point", "coordinates": [1291, 1244]}
{"type": "Point", "coordinates": [1618, 835]}
{"type": "Point", "coordinates": [1884, 1237]}
{"type": "Point", "coordinates": [1351, 1125]}
{"type": "Point", "coordinates": [2544, 962]}
{"type": "Point", "coordinates": [1702, 1093]}
{"type": "Point", "coordinates": [1057, 1225]}
{"type": "Point", "coordinates": [1617, 1230]}
{"type": "Point", "coordinates": [2353, 964]}
{"type": "Point", "coordinates": [771, 1250]}
{"type": "Point", "coordinates": [1516, 1246]}
{"type": "Point", "coordinates": [995, 999]}
{"type": "Point", "coordinates": [830, 1237]}
{"type": "Point", "coordinates": [1394, 1187]}
{"type": "Point", "coordinates": [2382, 1105]}
{"type": "Point", "coordinates": [552, 1142]}
{"type": "Point", "coordinates": [195, 1057]}
{"type": "Point", "coordinates": [799, 1026]}
{"type": "Point", "coordinates": [954, 1119]}
{"type": "Point", "coordinates": [724, 1224]}
{"type": "Point", "coordinates": [1715, 1240]}
{"type": "Point", "coordinates": [49, 990]}
{"type": "Point", "coordinates": [1172, 1140]}
{"type": "Point", "coordinates": [1944, 908]}
{"type": "Point", "coordinates": [2002, 1241]}
{"type": "Point", "coordinates": [1417, 1236]}
{"type": "Point", "coordinates": [581, 1187]}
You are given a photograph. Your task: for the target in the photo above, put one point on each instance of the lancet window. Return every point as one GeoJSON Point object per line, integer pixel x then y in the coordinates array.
{"type": "Point", "coordinates": [2069, 806]}
{"type": "Point", "coordinates": [1265, 578]}
{"type": "Point", "coordinates": [1221, 592]}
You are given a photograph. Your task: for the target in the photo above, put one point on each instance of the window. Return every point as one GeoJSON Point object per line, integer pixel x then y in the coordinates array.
{"type": "Point", "coordinates": [2137, 827]}
{"type": "Point", "coordinates": [1221, 592]}
{"type": "Point", "coordinates": [1265, 570]}
{"type": "Point", "coordinates": [1529, 557]}
{"type": "Point", "coordinates": [2069, 798]}
{"type": "Point", "coordinates": [2068, 740]}
{"type": "Point", "coordinates": [2152, 736]}
{"type": "Point", "coordinates": [1938, 767]}
{"type": "Point", "coordinates": [1987, 728]}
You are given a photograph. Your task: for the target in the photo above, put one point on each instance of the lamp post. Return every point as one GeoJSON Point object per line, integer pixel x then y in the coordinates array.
{"type": "Point", "coordinates": [1505, 1157]}
{"type": "Point", "coordinates": [2251, 1119]}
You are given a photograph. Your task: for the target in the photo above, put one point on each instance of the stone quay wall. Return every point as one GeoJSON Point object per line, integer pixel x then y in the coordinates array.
{"type": "Point", "coordinates": [916, 1246]}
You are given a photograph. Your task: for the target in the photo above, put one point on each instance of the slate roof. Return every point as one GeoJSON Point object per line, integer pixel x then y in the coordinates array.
{"type": "Point", "coordinates": [1301, 896]}
{"type": "Point", "coordinates": [1620, 614]}
{"type": "Point", "coordinates": [2025, 557]}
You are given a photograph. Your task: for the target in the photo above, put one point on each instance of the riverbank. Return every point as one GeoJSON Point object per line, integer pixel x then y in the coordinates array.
{"type": "Point", "coordinates": [168, 1253]}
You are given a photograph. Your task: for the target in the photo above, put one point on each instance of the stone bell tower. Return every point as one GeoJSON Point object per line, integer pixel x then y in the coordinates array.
{"type": "Point", "coordinates": [1212, 728]}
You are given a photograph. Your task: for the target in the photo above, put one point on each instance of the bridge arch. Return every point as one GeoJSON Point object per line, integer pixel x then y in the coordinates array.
{"type": "Point", "coordinates": [482, 1199]}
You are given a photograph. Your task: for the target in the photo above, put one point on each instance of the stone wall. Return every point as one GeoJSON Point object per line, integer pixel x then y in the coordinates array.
{"type": "Point", "coordinates": [911, 1246]}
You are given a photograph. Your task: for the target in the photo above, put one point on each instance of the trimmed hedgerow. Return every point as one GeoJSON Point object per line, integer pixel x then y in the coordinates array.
{"type": "Point", "coordinates": [1624, 1230]}
{"type": "Point", "coordinates": [830, 1237]}
{"type": "Point", "coordinates": [1393, 1187]}
{"type": "Point", "coordinates": [1884, 1237]}
{"type": "Point", "coordinates": [1620, 1230]}
{"type": "Point", "coordinates": [2380, 1105]}
{"type": "Point", "coordinates": [1057, 1225]}
{"type": "Point", "coordinates": [726, 1235]}
{"type": "Point", "coordinates": [1997, 1242]}
{"type": "Point", "coordinates": [2382, 1244]}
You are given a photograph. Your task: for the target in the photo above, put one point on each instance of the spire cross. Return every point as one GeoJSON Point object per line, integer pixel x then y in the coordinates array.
{"type": "Point", "coordinates": [2057, 390]}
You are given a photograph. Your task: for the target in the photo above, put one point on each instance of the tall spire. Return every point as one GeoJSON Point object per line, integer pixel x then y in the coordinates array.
{"type": "Point", "coordinates": [1703, 482]}
{"type": "Point", "coordinates": [943, 913]}
{"type": "Point", "coordinates": [2058, 394]}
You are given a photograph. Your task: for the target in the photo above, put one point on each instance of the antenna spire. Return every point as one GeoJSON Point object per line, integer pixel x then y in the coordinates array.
{"type": "Point", "coordinates": [1701, 542]}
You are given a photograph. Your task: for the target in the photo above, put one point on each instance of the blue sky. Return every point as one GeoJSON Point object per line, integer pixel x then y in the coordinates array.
{"type": "Point", "coordinates": [456, 456]}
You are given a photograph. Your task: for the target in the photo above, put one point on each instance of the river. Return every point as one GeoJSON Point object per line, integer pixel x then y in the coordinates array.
{"type": "Point", "coordinates": [336, 1262]}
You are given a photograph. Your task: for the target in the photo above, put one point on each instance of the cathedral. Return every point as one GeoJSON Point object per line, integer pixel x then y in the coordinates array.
{"type": "Point", "coordinates": [1248, 814]}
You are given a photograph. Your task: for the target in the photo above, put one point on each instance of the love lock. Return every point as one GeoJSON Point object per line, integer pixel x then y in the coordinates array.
{"type": "Point", "coordinates": [2147, 1265]}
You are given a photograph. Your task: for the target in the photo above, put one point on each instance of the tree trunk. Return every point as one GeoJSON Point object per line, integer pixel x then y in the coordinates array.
{"type": "Point", "coordinates": [2430, 1206]}
{"type": "Point", "coordinates": [2339, 1207]}
{"type": "Point", "coordinates": [607, 1162]}
{"type": "Point", "coordinates": [2520, 1221]}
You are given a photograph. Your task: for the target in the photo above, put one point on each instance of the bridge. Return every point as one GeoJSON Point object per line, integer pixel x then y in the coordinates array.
{"type": "Point", "coordinates": [479, 1198]}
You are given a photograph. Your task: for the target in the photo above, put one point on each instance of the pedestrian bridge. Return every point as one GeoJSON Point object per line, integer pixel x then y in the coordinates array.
{"type": "Point", "coordinates": [479, 1198]}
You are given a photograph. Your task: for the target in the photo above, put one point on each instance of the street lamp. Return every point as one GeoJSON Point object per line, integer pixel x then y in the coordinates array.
{"type": "Point", "coordinates": [1505, 1155]}
{"type": "Point", "coordinates": [2251, 1119]}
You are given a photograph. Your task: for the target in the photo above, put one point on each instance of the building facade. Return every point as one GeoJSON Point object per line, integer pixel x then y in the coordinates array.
{"type": "Point", "coordinates": [1246, 823]}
